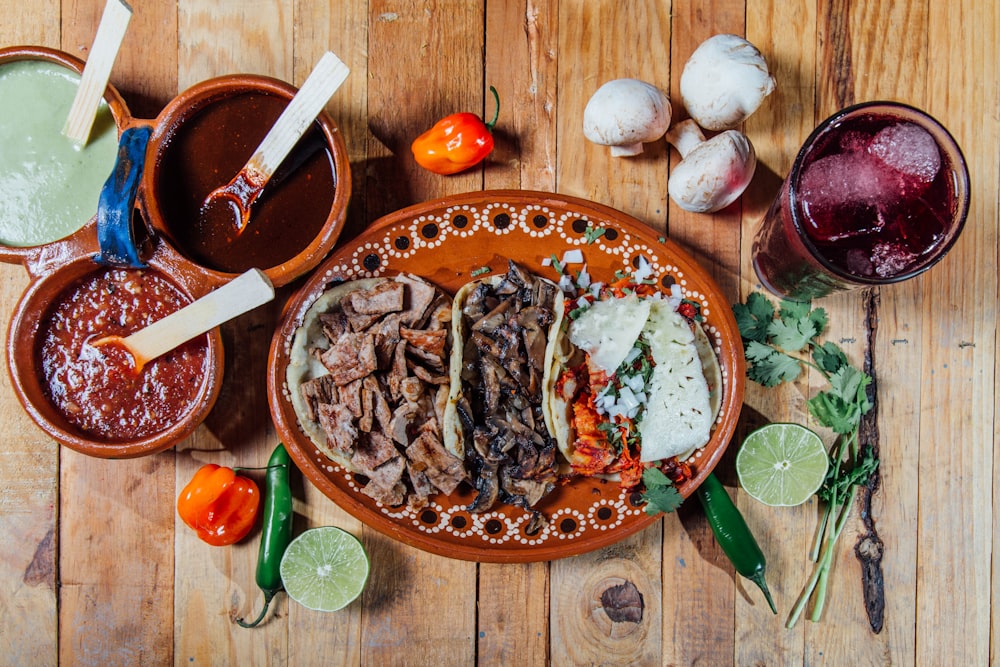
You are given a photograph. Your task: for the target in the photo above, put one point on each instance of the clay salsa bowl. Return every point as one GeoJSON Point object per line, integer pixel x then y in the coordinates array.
{"type": "Point", "coordinates": [27, 335]}
{"type": "Point", "coordinates": [203, 138]}
{"type": "Point", "coordinates": [48, 253]}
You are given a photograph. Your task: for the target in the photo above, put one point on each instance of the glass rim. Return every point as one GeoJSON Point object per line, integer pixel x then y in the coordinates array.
{"type": "Point", "coordinates": [959, 168]}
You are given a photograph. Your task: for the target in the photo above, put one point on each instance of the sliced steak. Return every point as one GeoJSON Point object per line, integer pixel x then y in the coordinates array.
{"type": "Point", "coordinates": [338, 424]}
{"type": "Point", "coordinates": [382, 298]}
{"type": "Point", "coordinates": [350, 358]}
{"type": "Point", "coordinates": [444, 469]}
{"type": "Point", "coordinates": [387, 356]}
{"type": "Point", "coordinates": [316, 391]}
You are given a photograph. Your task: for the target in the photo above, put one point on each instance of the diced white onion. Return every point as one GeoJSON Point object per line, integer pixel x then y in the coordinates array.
{"type": "Point", "coordinates": [635, 383]}
{"type": "Point", "coordinates": [574, 256]}
{"type": "Point", "coordinates": [546, 261]}
{"type": "Point", "coordinates": [643, 271]}
{"type": "Point", "coordinates": [626, 399]}
{"type": "Point", "coordinates": [566, 284]}
{"type": "Point", "coordinates": [583, 281]}
{"type": "Point", "coordinates": [632, 355]}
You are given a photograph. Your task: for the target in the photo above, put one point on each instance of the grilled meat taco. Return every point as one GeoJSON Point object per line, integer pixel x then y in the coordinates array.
{"type": "Point", "coordinates": [368, 376]}
{"type": "Point", "coordinates": [633, 382]}
{"type": "Point", "coordinates": [495, 410]}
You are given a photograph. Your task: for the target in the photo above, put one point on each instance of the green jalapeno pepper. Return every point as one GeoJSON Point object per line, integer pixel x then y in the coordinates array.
{"type": "Point", "coordinates": [733, 534]}
{"type": "Point", "coordinates": [277, 529]}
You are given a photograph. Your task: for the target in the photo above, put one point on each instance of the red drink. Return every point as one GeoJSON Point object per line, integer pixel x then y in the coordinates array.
{"type": "Point", "coordinates": [878, 194]}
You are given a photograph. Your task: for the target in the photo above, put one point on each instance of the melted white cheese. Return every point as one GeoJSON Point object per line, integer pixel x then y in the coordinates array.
{"type": "Point", "coordinates": [678, 416]}
{"type": "Point", "coordinates": [607, 330]}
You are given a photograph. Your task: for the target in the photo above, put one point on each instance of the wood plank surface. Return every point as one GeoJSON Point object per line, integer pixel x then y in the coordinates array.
{"type": "Point", "coordinates": [96, 568]}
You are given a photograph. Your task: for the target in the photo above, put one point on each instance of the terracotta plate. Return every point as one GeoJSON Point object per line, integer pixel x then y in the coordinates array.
{"type": "Point", "coordinates": [445, 241]}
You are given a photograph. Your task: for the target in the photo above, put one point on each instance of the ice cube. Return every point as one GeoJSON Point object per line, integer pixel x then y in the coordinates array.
{"type": "Point", "coordinates": [891, 259]}
{"type": "Point", "coordinates": [841, 195]}
{"type": "Point", "coordinates": [854, 141]}
{"type": "Point", "coordinates": [908, 148]}
{"type": "Point", "coordinates": [845, 178]}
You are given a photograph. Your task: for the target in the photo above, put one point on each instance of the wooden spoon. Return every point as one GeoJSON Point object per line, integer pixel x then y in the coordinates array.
{"type": "Point", "coordinates": [233, 200]}
{"type": "Point", "coordinates": [97, 71]}
{"type": "Point", "coordinates": [242, 294]}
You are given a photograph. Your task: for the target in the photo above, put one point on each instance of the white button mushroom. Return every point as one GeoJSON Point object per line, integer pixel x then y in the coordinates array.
{"type": "Point", "coordinates": [712, 173]}
{"type": "Point", "coordinates": [625, 113]}
{"type": "Point", "coordinates": [724, 81]}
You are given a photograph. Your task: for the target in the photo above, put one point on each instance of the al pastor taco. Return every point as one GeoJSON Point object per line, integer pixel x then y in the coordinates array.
{"type": "Point", "coordinates": [368, 377]}
{"type": "Point", "coordinates": [633, 383]}
{"type": "Point", "coordinates": [495, 413]}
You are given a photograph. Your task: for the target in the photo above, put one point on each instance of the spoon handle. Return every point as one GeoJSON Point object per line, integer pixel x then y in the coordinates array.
{"type": "Point", "coordinates": [326, 77]}
{"type": "Point", "coordinates": [97, 71]}
{"type": "Point", "coordinates": [240, 295]}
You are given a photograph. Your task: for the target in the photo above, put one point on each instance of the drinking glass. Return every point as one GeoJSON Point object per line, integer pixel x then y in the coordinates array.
{"type": "Point", "coordinates": [878, 194]}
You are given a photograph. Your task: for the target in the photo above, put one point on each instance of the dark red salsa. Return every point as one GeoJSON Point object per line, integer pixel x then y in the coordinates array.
{"type": "Point", "coordinates": [94, 388]}
{"type": "Point", "coordinates": [208, 150]}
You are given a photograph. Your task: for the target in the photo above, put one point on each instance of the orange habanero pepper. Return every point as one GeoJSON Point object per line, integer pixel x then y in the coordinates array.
{"type": "Point", "coordinates": [219, 505]}
{"type": "Point", "coordinates": [456, 142]}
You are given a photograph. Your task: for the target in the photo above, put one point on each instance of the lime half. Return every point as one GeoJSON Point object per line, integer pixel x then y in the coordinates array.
{"type": "Point", "coordinates": [324, 569]}
{"type": "Point", "coordinates": [782, 465]}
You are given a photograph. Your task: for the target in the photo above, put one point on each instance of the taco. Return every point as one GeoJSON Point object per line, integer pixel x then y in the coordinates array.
{"type": "Point", "coordinates": [634, 383]}
{"type": "Point", "coordinates": [495, 411]}
{"type": "Point", "coordinates": [368, 377]}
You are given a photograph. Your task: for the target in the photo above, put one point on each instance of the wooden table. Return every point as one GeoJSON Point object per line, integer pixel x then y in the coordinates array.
{"type": "Point", "coordinates": [97, 569]}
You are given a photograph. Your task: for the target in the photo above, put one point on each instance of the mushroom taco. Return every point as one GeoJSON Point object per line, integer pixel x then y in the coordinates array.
{"type": "Point", "coordinates": [495, 415]}
{"type": "Point", "coordinates": [368, 378]}
{"type": "Point", "coordinates": [633, 382]}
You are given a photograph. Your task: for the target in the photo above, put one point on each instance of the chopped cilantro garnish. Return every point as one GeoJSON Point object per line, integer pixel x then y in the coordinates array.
{"type": "Point", "coordinates": [592, 233]}
{"type": "Point", "coordinates": [556, 264]}
{"type": "Point", "coordinates": [480, 271]}
{"type": "Point", "coordinates": [610, 431]}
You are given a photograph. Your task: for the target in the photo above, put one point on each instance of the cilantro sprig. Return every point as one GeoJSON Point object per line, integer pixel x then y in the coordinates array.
{"type": "Point", "coordinates": [660, 495]}
{"type": "Point", "coordinates": [778, 345]}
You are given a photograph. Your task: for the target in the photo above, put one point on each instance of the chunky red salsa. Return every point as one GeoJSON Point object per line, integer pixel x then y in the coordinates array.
{"type": "Point", "coordinates": [94, 387]}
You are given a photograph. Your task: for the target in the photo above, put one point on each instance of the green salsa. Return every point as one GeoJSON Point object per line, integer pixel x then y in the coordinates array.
{"type": "Point", "coordinates": [49, 186]}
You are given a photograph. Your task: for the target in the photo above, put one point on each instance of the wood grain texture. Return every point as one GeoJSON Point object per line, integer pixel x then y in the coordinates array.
{"type": "Point", "coordinates": [957, 373]}
{"type": "Point", "coordinates": [213, 40]}
{"type": "Point", "coordinates": [96, 569]}
{"type": "Point", "coordinates": [592, 52]}
{"type": "Point", "coordinates": [29, 512]}
{"type": "Point", "coordinates": [585, 629]}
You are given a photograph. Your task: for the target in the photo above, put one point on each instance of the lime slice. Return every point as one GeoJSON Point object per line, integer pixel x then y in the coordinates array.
{"type": "Point", "coordinates": [782, 465]}
{"type": "Point", "coordinates": [324, 569]}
